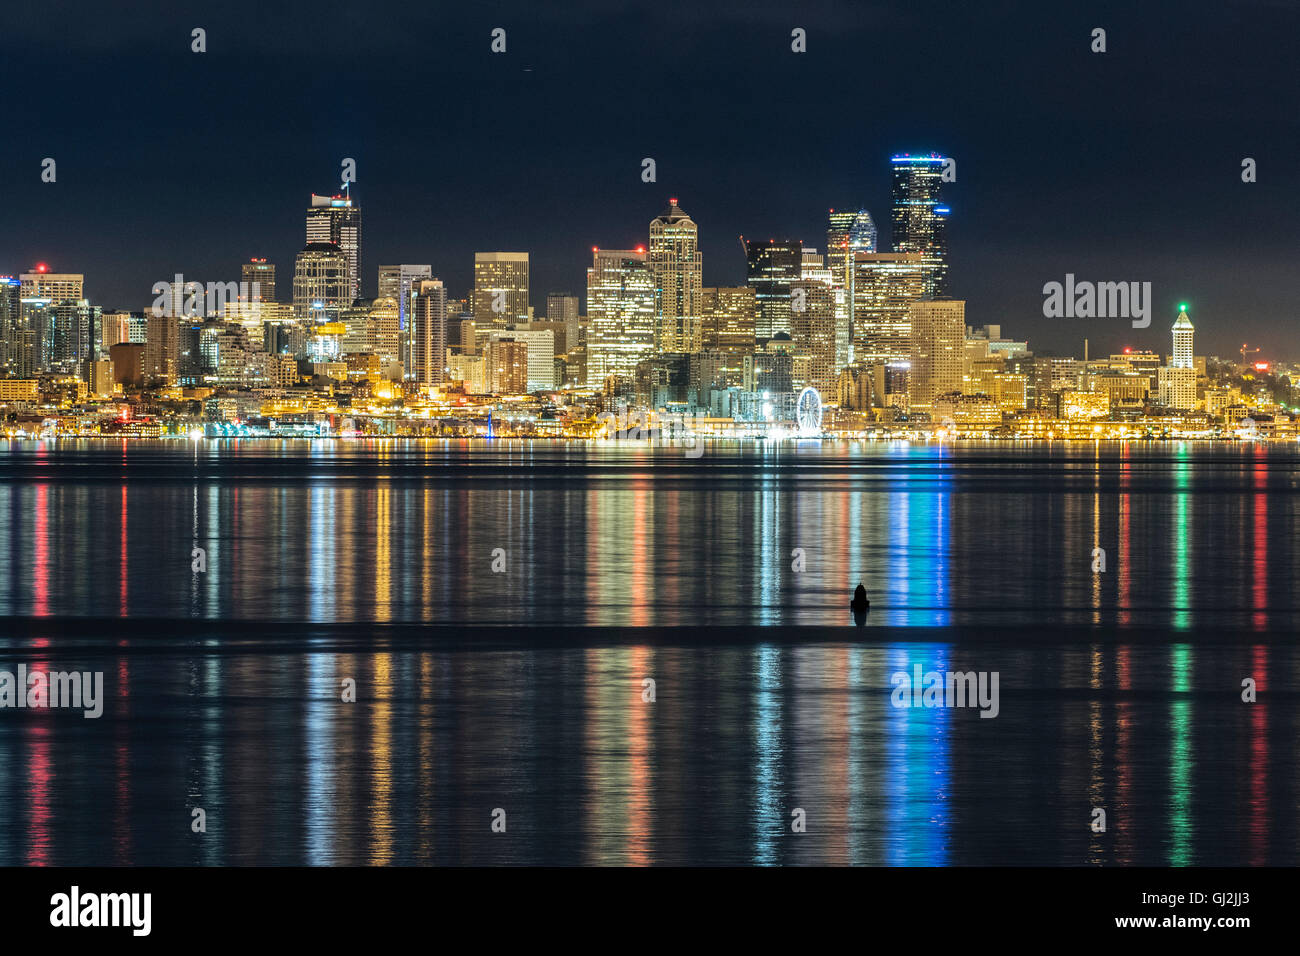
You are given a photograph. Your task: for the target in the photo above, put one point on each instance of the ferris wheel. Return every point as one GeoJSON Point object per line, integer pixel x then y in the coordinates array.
{"type": "Point", "coordinates": [808, 411]}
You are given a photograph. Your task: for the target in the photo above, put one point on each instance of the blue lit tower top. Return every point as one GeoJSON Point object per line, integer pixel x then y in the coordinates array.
{"type": "Point", "coordinates": [919, 215]}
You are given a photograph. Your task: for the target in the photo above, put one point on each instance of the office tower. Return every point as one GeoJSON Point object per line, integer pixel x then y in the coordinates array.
{"type": "Point", "coordinates": [563, 307]}
{"type": "Point", "coordinates": [884, 285]}
{"type": "Point", "coordinates": [938, 350]}
{"type": "Point", "coordinates": [337, 220]}
{"type": "Point", "coordinates": [813, 335]}
{"type": "Point", "coordinates": [676, 265]}
{"type": "Point", "coordinates": [49, 286]}
{"type": "Point", "coordinates": [620, 314]}
{"type": "Point", "coordinates": [128, 360]}
{"type": "Point", "coordinates": [161, 360]}
{"type": "Point", "coordinates": [772, 266]}
{"type": "Point", "coordinates": [76, 326]}
{"type": "Point", "coordinates": [395, 283]}
{"type": "Point", "coordinates": [116, 328]}
{"type": "Point", "coordinates": [428, 333]}
{"type": "Point", "coordinates": [1182, 333]}
{"type": "Point", "coordinates": [321, 288]}
{"type": "Point", "coordinates": [919, 216]}
{"type": "Point", "coordinates": [728, 317]}
{"type": "Point", "coordinates": [372, 329]}
{"type": "Point", "coordinates": [507, 365]}
{"type": "Point", "coordinates": [11, 326]}
{"type": "Point", "coordinates": [500, 288]}
{"type": "Point", "coordinates": [258, 277]}
{"type": "Point", "coordinates": [540, 370]}
{"type": "Point", "coordinates": [847, 233]}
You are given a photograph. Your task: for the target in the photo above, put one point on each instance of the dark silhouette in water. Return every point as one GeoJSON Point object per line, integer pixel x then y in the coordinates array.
{"type": "Point", "coordinates": [860, 605]}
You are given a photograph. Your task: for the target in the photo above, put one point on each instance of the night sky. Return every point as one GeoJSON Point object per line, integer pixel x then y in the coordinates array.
{"type": "Point", "coordinates": [1122, 166]}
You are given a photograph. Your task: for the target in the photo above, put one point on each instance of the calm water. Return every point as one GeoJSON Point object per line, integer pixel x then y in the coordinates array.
{"type": "Point", "coordinates": [1118, 689]}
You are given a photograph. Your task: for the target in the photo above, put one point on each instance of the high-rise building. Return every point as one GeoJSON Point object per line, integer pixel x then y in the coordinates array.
{"type": "Point", "coordinates": [161, 349]}
{"type": "Point", "coordinates": [729, 317]}
{"type": "Point", "coordinates": [507, 366]}
{"type": "Point", "coordinates": [847, 233]}
{"type": "Point", "coordinates": [620, 314]}
{"type": "Point", "coordinates": [540, 373]}
{"type": "Point", "coordinates": [13, 362]}
{"type": "Point", "coordinates": [772, 267]}
{"type": "Point", "coordinates": [75, 334]}
{"type": "Point", "coordinates": [49, 286]}
{"type": "Point", "coordinates": [813, 334]}
{"type": "Point", "coordinates": [563, 307]}
{"type": "Point", "coordinates": [884, 285]}
{"type": "Point", "coordinates": [337, 220]}
{"type": "Point", "coordinates": [258, 277]}
{"type": "Point", "coordinates": [428, 332]}
{"type": "Point", "coordinates": [395, 283]}
{"type": "Point", "coordinates": [500, 288]}
{"type": "Point", "coordinates": [675, 262]}
{"type": "Point", "coordinates": [321, 287]}
{"type": "Point", "coordinates": [1176, 383]}
{"type": "Point", "coordinates": [919, 216]}
{"type": "Point", "coordinates": [938, 350]}
{"type": "Point", "coordinates": [1182, 334]}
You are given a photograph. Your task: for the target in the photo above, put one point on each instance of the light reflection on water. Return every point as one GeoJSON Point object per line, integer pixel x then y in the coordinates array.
{"type": "Point", "coordinates": [1198, 541]}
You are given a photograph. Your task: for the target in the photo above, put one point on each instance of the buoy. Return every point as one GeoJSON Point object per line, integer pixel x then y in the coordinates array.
{"type": "Point", "coordinates": [860, 602]}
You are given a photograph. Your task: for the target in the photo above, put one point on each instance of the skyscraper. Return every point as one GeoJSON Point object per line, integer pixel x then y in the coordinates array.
{"type": "Point", "coordinates": [337, 220]}
{"type": "Point", "coordinates": [884, 285]}
{"type": "Point", "coordinates": [321, 287]}
{"type": "Point", "coordinates": [1176, 383]}
{"type": "Point", "coordinates": [395, 282]}
{"type": "Point", "coordinates": [813, 334]}
{"type": "Point", "coordinates": [55, 287]}
{"type": "Point", "coordinates": [1182, 333]}
{"type": "Point", "coordinates": [847, 233]}
{"type": "Point", "coordinates": [938, 349]}
{"type": "Point", "coordinates": [620, 313]}
{"type": "Point", "coordinates": [919, 216]}
{"type": "Point", "coordinates": [675, 262]}
{"type": "Point", "coordinates": [563, 307]}
{"type": "Point", "coordinates": [258, 277]}
{"type": "Point", "coordinates": [500, 288]}
{"type": "Point", "coordinates": [428, 332]}
{"type": "Point", "coordinates": [772, 267]}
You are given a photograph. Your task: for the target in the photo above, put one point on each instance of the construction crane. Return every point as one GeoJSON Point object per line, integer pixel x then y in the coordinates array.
{"type": "Point", "coordinates": [1244, 350]}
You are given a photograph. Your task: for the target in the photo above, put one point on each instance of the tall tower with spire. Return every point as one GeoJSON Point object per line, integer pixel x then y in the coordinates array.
{"type": "Point", "coordinates": [674, 261]}
{"type": "Point", "coordinates": [1183, 331]}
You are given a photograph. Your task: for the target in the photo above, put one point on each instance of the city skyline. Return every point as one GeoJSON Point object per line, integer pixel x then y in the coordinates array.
{"type": "Point", "coordinates": [1155, 196]}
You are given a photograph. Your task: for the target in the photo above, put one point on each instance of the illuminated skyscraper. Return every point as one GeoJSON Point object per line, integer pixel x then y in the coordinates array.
{"type": "Point", "coordinates": [847, 233]}
{"type": "Point", "coordinates": [675, 262]}
{"type": "Point", "coordinates": [1176, 383]}
{"type": "Point", "coordinates": [321, 287]}
{"type": "Point", "coordinates": [49, 286]}
{"type": "Point", "coordinates": [620, 313]}
{"type": "Point", "coordinates": [563, 307]}
{"type": "Point", "coordinates": [885, 284]}
{"type": "Point", "coordinates": [428, 332]}
{"type": "Point", "coordinates": [258, 277]}
{"type": "Point", "coordinates": [813, 321]}
{"type": "Point", "coordinates": [938, 350]}
{"type": "Point", "coordinates": [337, 220]}
{"type": "Point", "coordinates": [500, 288]}
{"type": "Point", "coordinates": [919, 216]}
{"type": "Point", "coordinates": [1182, 332]}
{"type": "Point", "coordinates": [772, 267]}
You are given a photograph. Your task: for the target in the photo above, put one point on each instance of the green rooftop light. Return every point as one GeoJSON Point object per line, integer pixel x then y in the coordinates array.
{"type": "Point", "coordinates": [1182, 307]}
